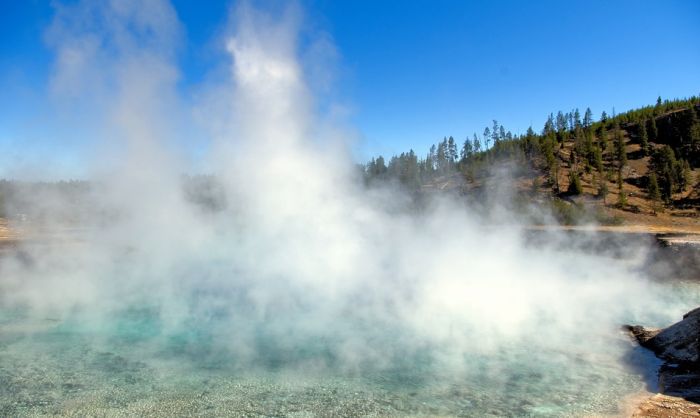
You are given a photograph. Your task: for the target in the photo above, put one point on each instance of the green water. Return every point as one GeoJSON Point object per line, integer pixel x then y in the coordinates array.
{"type": "Point", "coordinates": [131, 363]}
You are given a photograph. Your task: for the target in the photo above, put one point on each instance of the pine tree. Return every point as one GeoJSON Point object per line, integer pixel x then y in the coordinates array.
{"type": "Point", "coordinates": [643, 138]}
{"type": "Point", "coordinates": [442, 156]}
{"type": "Point", "coordinates": [683, 174]}
{"type": "Point", "coordinates": [570, 118]}
{"type": "Point", "coordinates": [664, 165]}
{"type": "Point", "coordinates": [494, 135]}
{"type": "Point", "coordinates": [598, 159]}
{"type": "Point", "coordinates": [690, 147]}
{"type": "Point", "coordinates": [587, 118]}
{"type": "Point", "coordinates": [477, 144]}
{"type": "Point", "coordinates": [620, 183]}
{"type": "Point", "coordinates": [556, 169]}
{"type": "Point", "coordinates": [653, 130]}
{"type": "Point", "coordinates": [575, 187]}
{"type": "Point", "coordinates": [653, 191]}
{"type": "Point", "coordinates": [561, 126]}
{"type": "Point", "coordinates": [602, 187]}
{"type": "Point", "coordinates": [451, 151]}
{"type": "Point", "coordinates": [467, 150]}
{"type": "Point", "coordinates": [529, 144]}
{"type": "Point", "coordinates": [602, 139]}
{"type": "Point", "coordinates": [620, 147]}
{"type": "Point", "coordinates": [622, 198]}
{"type": "Point", "coordinates": [381, 165]}
{"type": "Point", "coordinates": [548, 126]}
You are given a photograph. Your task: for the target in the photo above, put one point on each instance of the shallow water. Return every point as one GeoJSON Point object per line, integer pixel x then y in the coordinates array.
{"type": "Point", "coordinates": [132, 364]}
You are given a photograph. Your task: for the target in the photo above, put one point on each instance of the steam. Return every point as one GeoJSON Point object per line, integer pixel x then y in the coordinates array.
{"type": "Point", "coordinates": [300, 254]}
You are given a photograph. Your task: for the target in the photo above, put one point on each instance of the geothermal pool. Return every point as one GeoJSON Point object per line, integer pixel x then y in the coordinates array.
{"type": "Point", "coordinates": [132, 363]}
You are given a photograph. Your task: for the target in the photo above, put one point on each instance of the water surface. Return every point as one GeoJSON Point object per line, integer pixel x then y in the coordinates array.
{"type": "Point", "coordinates": [133, 364]}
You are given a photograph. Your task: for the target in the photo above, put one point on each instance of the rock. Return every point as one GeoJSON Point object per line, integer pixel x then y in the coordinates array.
{"type": "Point", "coordinates": [679, 343]}
{"type": "Point", "coordinates": [681, 381]}
{"type": "Point", "coordinates": [664, 406]}
{"type": "Point", "coordinates": [641, 334]}
{"type": "Point", "coordinates": [679, 376]}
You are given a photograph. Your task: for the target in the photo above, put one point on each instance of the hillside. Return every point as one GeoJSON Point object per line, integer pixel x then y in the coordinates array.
{"type": "Point", "coordinates": [576, 171]}
{"type": "Point", "coordinates": [661, 141]}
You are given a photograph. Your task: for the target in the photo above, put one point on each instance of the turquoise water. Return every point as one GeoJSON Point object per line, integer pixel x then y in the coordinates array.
{"type": "Point", "coordinates": [132, 363]}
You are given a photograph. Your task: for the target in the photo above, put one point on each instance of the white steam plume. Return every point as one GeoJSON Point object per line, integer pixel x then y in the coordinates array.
{"type": "Point", "coordinates": [301, 252]}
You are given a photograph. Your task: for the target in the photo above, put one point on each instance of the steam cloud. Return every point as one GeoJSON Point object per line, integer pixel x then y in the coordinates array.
{"type": "Point", "coordinates": [301, 254]}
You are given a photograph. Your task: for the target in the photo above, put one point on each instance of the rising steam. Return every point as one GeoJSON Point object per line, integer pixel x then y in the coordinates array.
{"type": "Point", "coordinates": [298, 253]}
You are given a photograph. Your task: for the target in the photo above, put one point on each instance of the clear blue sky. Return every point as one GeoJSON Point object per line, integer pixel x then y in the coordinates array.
{"type": "Point", "coordinates": [415, 71]}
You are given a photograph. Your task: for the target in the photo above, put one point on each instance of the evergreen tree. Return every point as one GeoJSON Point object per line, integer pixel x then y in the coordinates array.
{"type": "Point", "coordinates": [487, 138]}
{"type": "Point", "coordinates": [575, 187]}
{"type": "Point", "coordinates": [653, 130]}
{"type": "Point", "coordinates": [409, 170]}
{"type": "Point", "coordinates": [664, 165]}
{"type": "Point", "coordinates": [570, 119]}
{"type": "Point", "coordinates": [380, 165]}
{"type": "Point", "coordinates": [597, 159]}
{"type": "Point", "coordinates": [620, 147]}
{"type": "Point", "coordinates": [494, 135]}
{"type": "Point", "coordinates": [530, 144]}
{"type": "Point", "coordinates": [549, 153]}
{"type": "Point", "coordinates": [620, 183]}
{"type": "Point", "coordinates": [589, 147]}
{"type": "Point", "coordinates": [556, 168]}
{"type": "Point", "coordinates": [587, 118]}
{"type": "Point", "coordinates": [442, 164]}
{"type": "Point", "coordinates": [690, 139]}
{"type": "Point", "coordinates": [548, 126]}
{"type": "Point", "coordinates": [683, 174]}
{"type": "Point", "coordinates": [621, 195]}
{"type": "Point", "coordinates": [477, 144]}
{"type": "Point", "coordinates": [561, 126]}
{"type": "Point", "coordinates": [643, 138]}
{"type": "Point", "coordinates": [602, 139]}
{"type": "Point", "coordinates": [602, 187]}
{"type": "Point", "coordinates": [451, 151]}
{"type": "Point", "coordinates": [622, 198]}
{"type": "Point", "coordinates": [653, 191]}
{"type": "Point", "coordinates": [467, 149]}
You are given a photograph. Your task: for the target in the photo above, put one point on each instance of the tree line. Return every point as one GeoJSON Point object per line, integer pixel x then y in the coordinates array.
{"type": "Point", "coordinates": [668, 132]}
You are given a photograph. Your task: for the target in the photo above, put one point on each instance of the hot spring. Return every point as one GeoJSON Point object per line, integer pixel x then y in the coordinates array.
{"type": "Point", "coordinates": [225, 343]}
{"type": "Point", "coordinates": [281, 285]}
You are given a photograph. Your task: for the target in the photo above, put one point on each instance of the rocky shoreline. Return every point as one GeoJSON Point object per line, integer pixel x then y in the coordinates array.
{"type": "Point", "coordinates": [679, 377]}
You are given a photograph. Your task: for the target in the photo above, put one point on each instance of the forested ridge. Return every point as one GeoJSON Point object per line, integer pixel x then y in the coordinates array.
{"type": "Point", "coordinates": [645, 160]}
{"type": "Point", "coordinates": [651, 153]}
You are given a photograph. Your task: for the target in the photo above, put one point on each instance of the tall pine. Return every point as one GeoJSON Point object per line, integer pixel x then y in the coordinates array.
{"type": "Point", "coordinates": [643, 138]}
{"type": "Point", "coordinates": [653, 191]}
